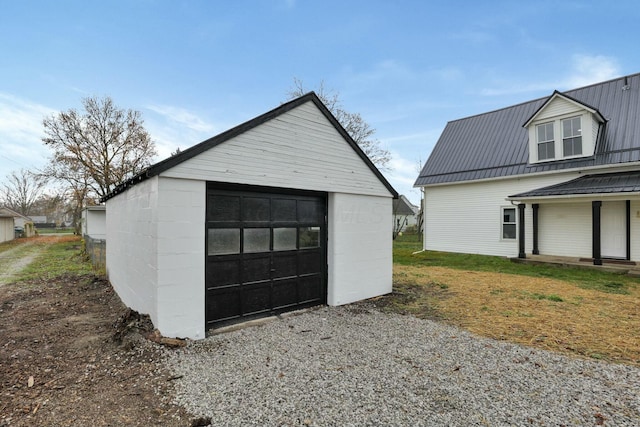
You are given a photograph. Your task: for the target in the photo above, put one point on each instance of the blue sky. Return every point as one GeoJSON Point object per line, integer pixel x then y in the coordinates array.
{"type": "Point", "coordinates": [196, 68]}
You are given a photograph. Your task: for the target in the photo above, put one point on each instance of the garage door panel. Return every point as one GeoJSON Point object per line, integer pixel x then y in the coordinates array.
{"type": "Point", "coordinates": [256, 298]}
{"type": "Point", "coordinates": [310, 261]}
{"type": "Point", "coordinates": [284, 265]}
{"type": "Point", "coordinates": [223, 305]}
{"type": "Point", "coordinates": [310, 288]}
{"type": "Point", "coordinates": [223, 208]}
{"type": "Point", "coordinates": [310, 211]}
{"type": "Point", "coordinates": [256, 209]}
{"type": "Point", "coordinates": [256, 268]}
{"type": "Point", "coordinates": [221, 272]}
{"type": "Point", "coordinates": [283, 210]}
{"type": "Point", "coordinates": [285, 293]}
{"type": "Point", "coordinates": [266, 252]}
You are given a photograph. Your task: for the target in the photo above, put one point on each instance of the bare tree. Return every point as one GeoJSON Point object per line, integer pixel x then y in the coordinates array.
{"type": "Point", "coordinates": [21, 190]}
{"type": "Point", "coordinates": [353, 123]}
{"type": "Point", "coordinates": [96, 149]}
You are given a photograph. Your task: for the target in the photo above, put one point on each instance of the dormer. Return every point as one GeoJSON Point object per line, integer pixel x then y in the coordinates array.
{"type": "Point", "coordinates": [563, 128]}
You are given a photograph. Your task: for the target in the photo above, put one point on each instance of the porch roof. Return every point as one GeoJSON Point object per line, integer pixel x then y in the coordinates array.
{"type": "Point", "coordinates": [609, 183]}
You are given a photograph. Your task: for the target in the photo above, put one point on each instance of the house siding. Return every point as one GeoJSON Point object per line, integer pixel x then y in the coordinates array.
{"type": "Point", "coordinates": [359, 248]}
{"type": "Point", "coordinates": [563, 223]}
{"type": "Point", "coordinates": [299, 149]}
{"type": "Point", "coordinates": [466, 217]}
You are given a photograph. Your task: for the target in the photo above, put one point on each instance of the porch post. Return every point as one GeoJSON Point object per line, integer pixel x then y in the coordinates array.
{"type": "Point", "coordinates": [535, 208]}
{"type": "Point", "coordinates": [596, 245]}
{"type": "Point", "coordinates": [628, 208]}
{"type": "Point", "coordinates": [521, 253]}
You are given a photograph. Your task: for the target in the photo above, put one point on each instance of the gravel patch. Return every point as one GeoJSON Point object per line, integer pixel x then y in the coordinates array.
{"type": "Point", "coordinates": [356, 366]}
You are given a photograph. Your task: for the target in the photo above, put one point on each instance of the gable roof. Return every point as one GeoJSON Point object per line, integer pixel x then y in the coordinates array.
{"type": "Point", "coordinates": [208, 144]}
{"type": "Point", "coordinates": [495, 144]}
{"type": "Point", "coordinates": [402, 206]}
{"type": "Point", "coordinates": [6, 212]}
{"type": "Point", "coordinates": [556, 95]}
{"type": "Point", "coordinates": [608, 183]}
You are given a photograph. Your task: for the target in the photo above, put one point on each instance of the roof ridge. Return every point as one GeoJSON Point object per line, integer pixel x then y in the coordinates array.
{"type": "Point", "coordinates": [544, 97]}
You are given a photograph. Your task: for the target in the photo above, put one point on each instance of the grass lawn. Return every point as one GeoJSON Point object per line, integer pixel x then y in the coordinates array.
{"type": "Point", "coordinates": [571, 310]}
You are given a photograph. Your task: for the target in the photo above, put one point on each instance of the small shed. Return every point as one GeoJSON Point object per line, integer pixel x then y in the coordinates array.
{"type": "Point", "coordinates": [6, 227]}
{"type": "Point", "coordinates": [282, 212]}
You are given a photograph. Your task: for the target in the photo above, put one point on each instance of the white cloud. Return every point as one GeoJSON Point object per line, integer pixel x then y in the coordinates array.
{"type": "Point", "coordinates": [584, 70]}
{"type": "Point", "coordinates": [20, 133]}
{"type": "Point", "coordinates": [182, 117]}
{"type": "Point", "coordinates": [402, 176]}
{"type": "Point", "coordinates": [175, 127]}
{"type": "Point", "coordinates": [588, 69]}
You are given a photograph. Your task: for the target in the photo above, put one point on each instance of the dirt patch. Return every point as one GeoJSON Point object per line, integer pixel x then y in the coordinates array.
{"type": "Point", "coordinates": [72, 354]}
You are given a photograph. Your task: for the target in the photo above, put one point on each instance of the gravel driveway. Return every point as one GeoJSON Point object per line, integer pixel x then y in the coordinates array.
{"type": "Point", "coordinates": [355, 366]}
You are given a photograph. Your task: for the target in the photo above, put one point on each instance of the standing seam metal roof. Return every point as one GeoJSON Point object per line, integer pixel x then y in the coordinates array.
{"type": "Point", "coordinates": [495, 144]}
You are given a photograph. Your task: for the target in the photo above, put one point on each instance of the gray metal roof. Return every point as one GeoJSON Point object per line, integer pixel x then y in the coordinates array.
{"type": "Point", "coordinates": [402, 206]}
{"type": "Point", "coordinates": [621, 182]}
{"type": "Point", "coordinates": [495, 144]}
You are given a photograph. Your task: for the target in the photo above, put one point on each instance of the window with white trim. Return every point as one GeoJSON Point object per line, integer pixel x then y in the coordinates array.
{"type": "Point", "coordinates": [508, 223]}
{"type": "Point", "coordinates": [546, 141]}
{"type": "Point", "coordinates": [572, 137]}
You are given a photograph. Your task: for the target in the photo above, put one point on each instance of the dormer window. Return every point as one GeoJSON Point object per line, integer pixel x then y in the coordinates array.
{"type": "Point", "coordinates": [563, 128]}
{"type": "Point", "coordinates": [546, 143]}
{"type": "Point", "coordinates": [572, 137]}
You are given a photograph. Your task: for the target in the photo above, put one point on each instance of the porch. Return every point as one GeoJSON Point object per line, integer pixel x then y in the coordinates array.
{"type": "Point", "coordinates": [611, 265]}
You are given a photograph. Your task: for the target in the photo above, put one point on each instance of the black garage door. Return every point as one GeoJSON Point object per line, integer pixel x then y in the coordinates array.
{"type": "Point", "coordinates": [266, 252]}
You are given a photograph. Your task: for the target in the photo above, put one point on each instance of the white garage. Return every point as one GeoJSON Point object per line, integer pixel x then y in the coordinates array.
{"type": "Point", "coordinates": [281, 212]}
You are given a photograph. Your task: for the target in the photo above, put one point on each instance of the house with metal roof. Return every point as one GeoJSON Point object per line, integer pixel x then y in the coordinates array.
{"type": "Point", "coordinates": [405, 215]}
{"type": "Point", "coordinates": [282, 212]}
{"type": "Point", "coordinates": [557, 176]}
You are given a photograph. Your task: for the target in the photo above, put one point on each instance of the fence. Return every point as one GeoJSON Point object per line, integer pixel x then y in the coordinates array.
{"type": "Point", "coordinates": [96, 250]}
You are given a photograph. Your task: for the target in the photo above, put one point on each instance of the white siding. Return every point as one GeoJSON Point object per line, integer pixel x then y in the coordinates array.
{"type": "Point", "coordinates": [7, 231]}
{"type": "Point", "coordinates": [181, 257]}
{"type": "Point", "coordinates": [132, 261]}
{"type": "Point", "coordinates": [94, 223]}
{"type": "Point", "coordinates": [565, 229]}
{"type": "Point", "coordinates": [359, 248]}
{"type": "Point", "coordinates": [466, 217]}
{"type": "Point", "coordinates": [558, 107]}
{"type": "Point", "coordinates": [299, 149]}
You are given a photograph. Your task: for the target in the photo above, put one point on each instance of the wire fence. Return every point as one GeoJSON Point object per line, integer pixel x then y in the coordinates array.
{"type": "Point", "coordinates": [96, 251]}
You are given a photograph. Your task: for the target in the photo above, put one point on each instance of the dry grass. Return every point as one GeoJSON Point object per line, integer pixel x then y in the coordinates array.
{"type": "Point", "coordinates": [541, 312]}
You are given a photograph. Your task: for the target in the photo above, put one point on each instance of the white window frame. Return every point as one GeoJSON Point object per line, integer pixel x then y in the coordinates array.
{"type": "Point", "coordinates": [514, 223]}
{"type": "Point", "coordinates": [565, 137]}
{"type": "Point", "coordinates": [551, 141]}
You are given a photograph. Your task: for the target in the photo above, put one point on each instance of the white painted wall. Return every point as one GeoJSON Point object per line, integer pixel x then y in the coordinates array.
{"type": "Point", "coordinates": [94, 222]}
{"type": "Point", "coordinates": [7, 231]}
{"type": "Point", "coordinates": [180, 243]}
{"type": "Point", "coordinates": [359, 247]}
{"type": "Point", "coordinates": [299, 149]}
{"type": "Point", "coordinates": [466, 217]}
{"type": "Point", "coordinates": [565, 229]}
{"type": "Point", "coordinates": [132, 261]}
